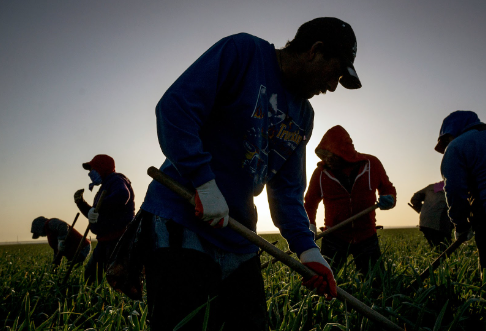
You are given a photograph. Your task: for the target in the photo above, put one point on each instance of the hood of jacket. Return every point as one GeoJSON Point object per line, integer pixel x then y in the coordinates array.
{"type": "Point", "coordinates": [455, 124]}
{"type": "Point", "coordinates": [458, 122]}
{"type": "Point", "coordinates": [338, 141]}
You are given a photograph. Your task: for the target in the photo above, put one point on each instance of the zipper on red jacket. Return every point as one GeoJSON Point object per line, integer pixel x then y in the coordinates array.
{"type": "Point", "coordinates": [349, 194]}
{"type": "Point", "coordinates": [366, 168]}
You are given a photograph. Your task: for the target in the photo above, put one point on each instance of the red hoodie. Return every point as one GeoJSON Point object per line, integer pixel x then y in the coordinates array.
{"type": "Point", "coordinates": [340, 204]}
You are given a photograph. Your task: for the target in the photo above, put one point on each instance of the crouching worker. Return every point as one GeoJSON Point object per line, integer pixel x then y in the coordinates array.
{"type": "Point", "coordinates": [434, 222]}
{"type": "Point", "coordinates": [63, 240]}
{"type": "Point", "coordinates": [346, 181]}
{"type": "Point", "coordinates": [117, 210]}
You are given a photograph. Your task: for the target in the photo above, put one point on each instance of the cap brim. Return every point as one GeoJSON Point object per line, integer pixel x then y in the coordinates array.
{"type": "Point", "coordinates": [87, 166]}
{"type": "Point", "coordinates": [350, 79]}
{"type": "Point", "coordinates": [442, 143]}
{"type": "Point", "coordinates": [440, 147]}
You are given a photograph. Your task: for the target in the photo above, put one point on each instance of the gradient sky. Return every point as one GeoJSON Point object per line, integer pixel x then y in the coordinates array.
{"type": "Point", "coordinates": [80, 78]}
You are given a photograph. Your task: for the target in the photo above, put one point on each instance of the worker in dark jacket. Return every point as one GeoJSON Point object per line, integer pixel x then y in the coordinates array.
{"type": "Point", "coordinates": [235, 122]}
{"type": "Point", "coordinates": [434, 222]}
{"type": "Point", "coordinates": [63, 241]}
{"type": "Point", "coordinates": [116, 211]}
{"type": "Point", "coordinates": [462, 140]}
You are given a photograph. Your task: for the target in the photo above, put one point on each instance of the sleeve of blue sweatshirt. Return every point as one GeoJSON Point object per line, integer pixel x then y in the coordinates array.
{"type": "Point", "coordinates": [454, 172]}
{"type": "Point", "coordinates": [187, 104]}
{"type": "Point", "coordinates": [286, 199]}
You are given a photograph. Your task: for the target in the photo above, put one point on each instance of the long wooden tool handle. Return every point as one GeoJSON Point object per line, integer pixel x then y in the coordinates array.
{"type": "Point", "coordinates": [347, 221]}
{"type": "Point", "coordinates": [71, 266]}
{"type": "Point", "coordinates": [274, 251]}
{"type": "Point", "coordinates": [331, 230]}
{"type": "Point", "coordinates": [58, 256]}
{"type": "Point", "coordinates": [451, 249]}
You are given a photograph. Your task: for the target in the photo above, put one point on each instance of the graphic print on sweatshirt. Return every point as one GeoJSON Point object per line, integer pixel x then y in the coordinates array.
{"type": "Point", "coordinates": [270, 141]}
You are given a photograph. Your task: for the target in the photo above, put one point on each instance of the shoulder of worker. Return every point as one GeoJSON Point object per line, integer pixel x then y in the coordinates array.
{"type": "Point", "coordinates": [244, 37]}
{"type": "Point", "coordinates": [245, 43]}
{"type": "Point", "coordinates": [56, 221]}
{"type": "Point", "coordinates": [116, 178]}
{"type": "Point", "coordinates": [371, 158]}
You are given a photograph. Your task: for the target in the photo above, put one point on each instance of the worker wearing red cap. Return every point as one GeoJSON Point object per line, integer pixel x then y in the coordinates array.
{"type": "Point", "coordinates": [114, 214]}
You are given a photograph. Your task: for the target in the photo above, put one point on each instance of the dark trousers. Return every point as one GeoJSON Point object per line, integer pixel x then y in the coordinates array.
{"type": "Point", "coordinates": [364, 253]}
{"type": "Point", "coordinates": [181, 280]}
{"type": "Point", "coordinates": [479, 227]}
{"type": "Point", "coordinates": [436, 239]}
{"type": "Point", "coordinates": [98, 261]}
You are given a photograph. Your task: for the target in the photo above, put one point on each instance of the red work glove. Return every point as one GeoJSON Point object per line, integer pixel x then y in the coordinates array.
{"type": "Point", "coordinates": [323, 282]}
{"type": "Point", "coordinates": [211, 206]}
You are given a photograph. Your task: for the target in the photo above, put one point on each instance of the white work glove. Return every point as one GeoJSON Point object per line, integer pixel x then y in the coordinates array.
{"type": "Point", "coordinates": [61, 246]}
{"type": "Point", "coordinates": [324, 281]}
{"type": "Point", "coordinates": [313, 228]}
{"type": "Point", "coordinates": [211, 206]}
{"type": "Point", "coordinates": [467, 233]}
{"type": "Point", "coordinates": [93, 216]}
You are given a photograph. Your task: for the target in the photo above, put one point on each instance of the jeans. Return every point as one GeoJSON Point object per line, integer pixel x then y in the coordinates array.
{"type": "Point", "coordinates": [479, 227]}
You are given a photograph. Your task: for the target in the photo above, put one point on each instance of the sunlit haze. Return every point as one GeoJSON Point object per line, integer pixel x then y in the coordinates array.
{"type": "Point", "coordinates": [80, 78]}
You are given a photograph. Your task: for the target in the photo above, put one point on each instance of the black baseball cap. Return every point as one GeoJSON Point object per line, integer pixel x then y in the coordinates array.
{"type": "Point", "coordinates": [340, 41]}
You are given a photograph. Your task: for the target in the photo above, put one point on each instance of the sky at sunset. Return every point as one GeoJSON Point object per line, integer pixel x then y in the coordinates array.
{"type": "Point", "coordinates": [80, 78]}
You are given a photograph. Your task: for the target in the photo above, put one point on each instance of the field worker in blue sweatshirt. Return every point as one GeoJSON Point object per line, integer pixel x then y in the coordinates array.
{"type": "Point", "coordinates": [116, 211]}
{"type": "Point", "coordinates": [462, 140]}
{"type": "Point", "coordinates": [237, 120]}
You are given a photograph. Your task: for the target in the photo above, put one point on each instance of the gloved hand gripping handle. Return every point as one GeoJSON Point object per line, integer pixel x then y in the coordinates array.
{"type": "Point", "coordinates": [275, 252]}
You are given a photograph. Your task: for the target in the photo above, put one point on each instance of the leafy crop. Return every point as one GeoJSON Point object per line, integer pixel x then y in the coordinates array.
{"type": "Point", "coordinates": [452, 298]}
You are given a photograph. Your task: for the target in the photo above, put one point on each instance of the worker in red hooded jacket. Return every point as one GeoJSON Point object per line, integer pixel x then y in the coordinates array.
{"type": "Point", "coordinates": [346, 181]}
{"type": "Point", "coordinates": [114, 214]}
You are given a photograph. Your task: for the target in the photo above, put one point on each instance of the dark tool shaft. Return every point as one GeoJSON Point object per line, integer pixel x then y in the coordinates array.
{"type": "Point", "coordinates": [451, 249]}
{"type": "Point", "coordinates": [71, 266]}
{"type": "Point", "coordinates": [59, 255]}
{"type": "Point", "coordinates": [331, 230]}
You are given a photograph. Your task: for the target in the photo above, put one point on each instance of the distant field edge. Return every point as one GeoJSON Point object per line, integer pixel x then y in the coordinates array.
{"type": "Point", "coordinates": [30, 242]}
{"type": "Point", "coordinates": [384, 228]}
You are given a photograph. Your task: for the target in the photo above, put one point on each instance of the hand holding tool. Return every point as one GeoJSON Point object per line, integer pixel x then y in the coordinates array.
{"type": "Point", "coordinates": [59, 254]}
{"type": "Point", "coordinates": [324, 281]}
{"type": "Point", "coordinates": [292, 263]}
{"type": "Point", "coordinates": [210, 205]}
{"type": "Point", "coordinates": [98, 205]}
{"type": "Point", "coordinates": [93, 216]}
{"type": "Point", "coordinates": [386, 202]}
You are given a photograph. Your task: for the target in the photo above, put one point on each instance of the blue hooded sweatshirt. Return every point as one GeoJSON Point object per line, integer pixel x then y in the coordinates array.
{"type": "Point", "coordinates": [464, 164]}
{"type": "Point", "coordinates": [228, 117]}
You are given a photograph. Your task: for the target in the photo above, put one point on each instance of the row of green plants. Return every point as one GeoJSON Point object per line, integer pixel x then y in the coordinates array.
{"type": "Point", "coordinates": [452, 298]}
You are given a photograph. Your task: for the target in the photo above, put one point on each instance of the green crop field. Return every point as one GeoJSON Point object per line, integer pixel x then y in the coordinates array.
{"type": "Point", "coordinates": [452, 298]}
